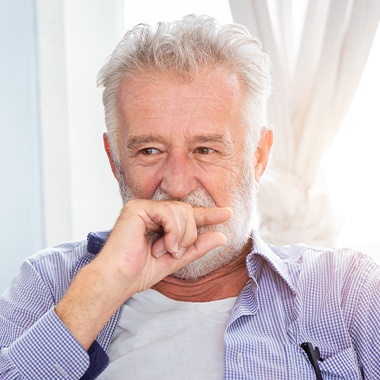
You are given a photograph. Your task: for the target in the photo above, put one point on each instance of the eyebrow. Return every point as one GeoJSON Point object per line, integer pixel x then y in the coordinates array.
{"type": "Point", "coordinates": [148, 138]}
{"type": "Point", "coordinates": [142, 139]}
{"type": "Point", "coordinates": [211, 138]}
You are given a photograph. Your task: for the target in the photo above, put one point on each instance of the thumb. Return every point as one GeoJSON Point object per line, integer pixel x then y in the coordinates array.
{"type": "Point", "coordinates": [205, 242]}
{"type": "Point", "coordinates": [205, 216]}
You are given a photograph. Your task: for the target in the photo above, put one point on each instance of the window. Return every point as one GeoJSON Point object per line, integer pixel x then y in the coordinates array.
{"type": "Point", "coordinates": [352, 163]}
{"type": "Point", "coordinates": [151, 11]}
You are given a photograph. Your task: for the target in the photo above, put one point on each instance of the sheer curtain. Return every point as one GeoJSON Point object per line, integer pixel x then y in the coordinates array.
{"type": "Point", "coordinates": [79, 191]}
{"type": "Point", "coordinates": [314, 83]}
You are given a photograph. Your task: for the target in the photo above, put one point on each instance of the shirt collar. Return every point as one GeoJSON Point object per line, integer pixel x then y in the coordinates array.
{"type": "Point", "coordinates": [261, 250]}
{"type": "Point", "coordinates": [96, 240]}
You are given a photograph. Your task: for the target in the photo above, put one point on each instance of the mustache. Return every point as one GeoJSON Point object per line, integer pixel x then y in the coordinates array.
{"type": "Point", "coordinates": [198, 198]}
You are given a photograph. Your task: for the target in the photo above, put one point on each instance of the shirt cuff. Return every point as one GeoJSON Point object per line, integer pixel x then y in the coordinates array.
{"type": "Point", "coordinates": [48, 350]}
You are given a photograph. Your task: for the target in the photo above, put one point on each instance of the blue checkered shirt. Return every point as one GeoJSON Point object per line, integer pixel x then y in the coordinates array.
{"type": "Point", "coordinates": [295, 294]}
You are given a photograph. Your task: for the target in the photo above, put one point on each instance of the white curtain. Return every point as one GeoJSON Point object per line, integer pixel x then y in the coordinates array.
{"type": "Point", "coordinates": [79, 191]}
{"type": "Point", "coordinates": [314, 83]}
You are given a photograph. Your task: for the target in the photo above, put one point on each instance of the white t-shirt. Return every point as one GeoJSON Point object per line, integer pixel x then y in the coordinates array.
{"type": "Point", "coordinates": [159, 338]}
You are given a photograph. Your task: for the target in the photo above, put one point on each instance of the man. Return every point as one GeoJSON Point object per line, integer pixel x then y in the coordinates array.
{"type": "Point", "coordinates": [181, 287]}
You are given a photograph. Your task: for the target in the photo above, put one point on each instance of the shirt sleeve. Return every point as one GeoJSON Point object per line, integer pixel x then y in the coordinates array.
{"type": "Point", "coordinates": [366, 321]}
{"type": "Point", "coordinates": [34, 343]}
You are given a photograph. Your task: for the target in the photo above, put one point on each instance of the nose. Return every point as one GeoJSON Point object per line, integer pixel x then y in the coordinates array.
{"type": "Point", "coordinates": [178, 176]}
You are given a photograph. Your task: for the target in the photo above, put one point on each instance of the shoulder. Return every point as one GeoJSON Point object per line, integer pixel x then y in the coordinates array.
{"type": "Point", "coordinates": [71, 255]}
{"type": "Point", "coordinates": [60, 258]}
{"type": "Point", "coordinates": [336, 295]}
{"type": "Point", "coordinates": [316, 258]}
{"type": "Point", "coordinates": [51, 271]}
{"type": "Point", "coordinates": [329, 268]}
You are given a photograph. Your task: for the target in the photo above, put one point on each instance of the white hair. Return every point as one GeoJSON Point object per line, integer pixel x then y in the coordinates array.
{"type": "Point", "coordinates": [181, 48]}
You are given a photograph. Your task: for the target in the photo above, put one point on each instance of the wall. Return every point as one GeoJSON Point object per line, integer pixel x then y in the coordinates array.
{"type": "Point", "coordinates": [21, 216]}
{"type": "Point", "coordinates": [56, 182]}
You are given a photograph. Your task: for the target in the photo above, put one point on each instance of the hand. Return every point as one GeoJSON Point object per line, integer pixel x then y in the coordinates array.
{"type": "Point", "coordinates": [150, 240]}
{"type": "Point", "coordinates": [146, 230]}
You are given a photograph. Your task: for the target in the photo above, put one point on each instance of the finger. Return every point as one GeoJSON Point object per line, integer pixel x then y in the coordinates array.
{"type": "Point", "coordinates": [167, 265]}
{"type": "Point", "coordinates": [189, 233]}
{"type": "Point", "coordinates": [159, 248]}
{"type": "Point", "coordinates": [186, 238]}
{"type": "Point", "coordinates": [173, 228]}
{"type": "Point", "coordinates": [176, 241]}
{"type": "Point", "coordinates": [205, 243]}
{"type": "Point", "coordinates": [178, 226]}
{"type": "Point", "coordinates": [170, 218]}
{"type": "Point", "coordinates": [205, 216]}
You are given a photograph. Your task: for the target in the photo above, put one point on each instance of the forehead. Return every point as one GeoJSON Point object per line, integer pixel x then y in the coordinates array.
{"type": "Point", "coordinates": [213, 98]}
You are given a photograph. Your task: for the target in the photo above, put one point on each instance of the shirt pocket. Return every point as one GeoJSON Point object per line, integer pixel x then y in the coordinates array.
{"type": "Point", "coordinates": [342, 365]}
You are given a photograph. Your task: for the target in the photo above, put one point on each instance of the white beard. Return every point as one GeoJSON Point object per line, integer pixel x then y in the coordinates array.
{"type": "Point", "coordinates": [237, 229]}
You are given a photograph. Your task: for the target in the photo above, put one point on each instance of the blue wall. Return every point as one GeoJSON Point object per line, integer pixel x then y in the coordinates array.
{"type": "Point", "coordinates": [21, 213]}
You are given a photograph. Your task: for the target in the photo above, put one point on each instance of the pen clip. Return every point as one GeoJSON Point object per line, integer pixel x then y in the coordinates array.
{"type": "Point", "coordinates": [314, 357]}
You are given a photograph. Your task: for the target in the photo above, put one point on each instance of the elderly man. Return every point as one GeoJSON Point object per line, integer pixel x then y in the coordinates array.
{"type": "Point", "coordinates": [182, 287]}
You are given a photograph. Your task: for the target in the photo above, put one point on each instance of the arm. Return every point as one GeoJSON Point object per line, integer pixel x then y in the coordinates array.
{"type": "Point", "coordinates": [34, 343]}
{"type": "Point", "coordinates": [366, 323]}
{"type": "Point", "coordinates": [131, 261]}
{"type": "Point", "coordinates": [41, 340]}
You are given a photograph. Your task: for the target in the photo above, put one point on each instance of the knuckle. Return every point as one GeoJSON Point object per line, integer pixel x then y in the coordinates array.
{"type": "Point", "coordinates": [188, 209]}
{"type": "Point", "coordinates": [132, 204]}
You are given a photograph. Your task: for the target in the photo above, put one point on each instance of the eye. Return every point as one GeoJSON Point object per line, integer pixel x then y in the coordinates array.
{"type": "Point", "coordinates": [204, 150]}
{"type": "Point", "coordinates": [149, 151]}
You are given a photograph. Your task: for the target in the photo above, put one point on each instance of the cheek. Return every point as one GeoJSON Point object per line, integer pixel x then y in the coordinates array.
{"type": "Point", "coordinates": [143, 182]}
{"type": "Point", "coordinates": [220, 188]}
{"type": "Point", "coordinates": [227, 185]}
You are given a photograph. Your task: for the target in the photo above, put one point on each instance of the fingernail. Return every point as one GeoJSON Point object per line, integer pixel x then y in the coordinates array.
{"type": "Point", "coordinates": [175, 248]}
{"type": "Point", "coordinates": [180, 252]}
{"type": "Point", "coordinates": [160, 253]}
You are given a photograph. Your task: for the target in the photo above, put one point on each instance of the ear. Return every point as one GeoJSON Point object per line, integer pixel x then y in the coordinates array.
{"type": "Point", "coordinates": [262, 152]}
{"type": "Point", "coordinates": [108, 149]}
